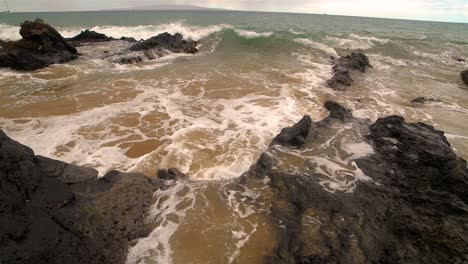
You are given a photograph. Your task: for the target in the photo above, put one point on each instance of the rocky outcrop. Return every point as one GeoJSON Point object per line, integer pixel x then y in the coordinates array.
{"type": "Point", "coordinates": [157, 47]}
{"type": "Point", "coordinates": [90, 36]}
{"type": "Point", "coordinates": [424, 100]}
{"type": "Point", "coordinates": [165, 41]}
{"type": "Point", "coordinates": [87, 36]}
{"type": "Point", "coordinates": [54, 212]}
{"type": "Point", "coordinates": [342, 68]}
{"type": "Point", "coordinates": [41, 45]}
{"type": "Point", "coordinates": [413, 210]}
{"type": "Point", "coordinates": [295, 135]}
{"type": "Point", "coordinates": [464, 76]}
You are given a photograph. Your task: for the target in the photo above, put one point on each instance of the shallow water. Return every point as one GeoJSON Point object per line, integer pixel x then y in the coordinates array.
{"type": "Point", "coordinates": [213, 113]}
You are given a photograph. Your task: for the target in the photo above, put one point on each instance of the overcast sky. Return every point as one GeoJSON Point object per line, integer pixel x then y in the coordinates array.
{"type": "Point", "coordinates": [436, 10]}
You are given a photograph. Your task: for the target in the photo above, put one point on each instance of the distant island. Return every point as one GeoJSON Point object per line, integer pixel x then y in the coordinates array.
{"type": "Point", "coordinates": [164, 7]}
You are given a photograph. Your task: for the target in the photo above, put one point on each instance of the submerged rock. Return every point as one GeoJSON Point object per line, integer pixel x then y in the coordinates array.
{"type": "Point", "coordinates": [91, 36]}
{"type": "Point", "coordinates": [41, 45]}
{"type": "Point", "coordinates": [357, 61]}
{"type": "Point", "coordinates": [54, 212]}
{"type": "Point", "coordinates": [464, 76]}
{"type": "Point", "coordinates": [337, 111]}
{"type": "Point", "coordinates": [412, 210]}
{"type": "Point", "coordinates": [171, 174]}
{"type": "Point", "coordinates": [423, 100]}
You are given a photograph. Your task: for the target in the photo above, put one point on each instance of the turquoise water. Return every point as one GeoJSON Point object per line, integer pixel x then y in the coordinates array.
{"type": "Point", "coordinates": [315, 25]}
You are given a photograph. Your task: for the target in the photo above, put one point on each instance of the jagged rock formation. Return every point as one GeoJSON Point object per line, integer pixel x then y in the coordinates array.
{"type": "Point", "coordinates": [357, 61]}
{"type": "Point", "coordinates": [87, 36]}
{"type": "Point", "coordinates": [413, 210]}
{"type": "Point", "coordinates": [41, 45]}
{"type": "Point", "coordinates": [159, 46]}
{"type": "Point", "coordinates": [54, 212]}
{"type": "Point", "coordinates": [295, 135]}
{"type": "Point", "coordinates": [174, 43]}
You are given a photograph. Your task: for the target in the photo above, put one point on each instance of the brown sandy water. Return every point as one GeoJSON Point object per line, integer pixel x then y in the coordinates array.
{"type": "Point", "coordinates": [211, 115]}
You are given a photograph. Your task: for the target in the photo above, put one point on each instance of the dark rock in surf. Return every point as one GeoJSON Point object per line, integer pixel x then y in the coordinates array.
{"type": "Point", "coordinates": [54, 212]}
{"type": "Point", "coordinates": [357, 61]}
{"type": "Point", "coordinates": [128, 39]}
{"type": "Point", "coordinates": [295, 135]}
{"type": "Point", "coordinates": [131, 60]}
{"type": "Point", "coordinates": [165, 41]}
{"type": "Point", "coordinates": [414, 210]}
{"type": "Point", "coordinates": [41, 45]}
{"type": "Point", "coordinates": [90, 36]}
{"type": "Point", "coordinates": [340, 80]}
{"type": "Point", "coordinates": [337, 111]}
{"type": "Point", "coordinates": [260, 169]}
{"type": "Point", "coordinates": [171, 174]}
{"type": "Point", "coordinates": [423, 100]}
{"type": "Point", "coordinates": [157, 47]}
{"type": "Point", "coordinates": [464, 76]}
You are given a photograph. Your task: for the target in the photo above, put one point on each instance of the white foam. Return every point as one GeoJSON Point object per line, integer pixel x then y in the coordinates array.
{"type": "Point", "coordinates": [358, 150]}
{"type": "Point", "coordinates": [242, 238]}
{"type": "Point", "coordinates": [8, 32]}
{"type": "Point", "coordinates": [294, 32]}
{"type": "Point", "coordinates": [354, 41]}
{"type": "Point", "coordinates": [252, 34]}
{"type": "Point", "coordinates": [156, 247]}
{"type": "Point", "coordinates": [317, 45]}
{"type": "Point", "coordinates": [148, 31]}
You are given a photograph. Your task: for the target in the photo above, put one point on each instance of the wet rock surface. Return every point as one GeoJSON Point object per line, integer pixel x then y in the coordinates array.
{"type": "Point", "coordinates": [413, 210]}
{"type": "Point", "coordinates": [295, 135]}
{"type": "Point", "coordinates": [90, 36]}
{"type": "Point", "coordinates": [53, 212]}
{"type": "Point", "coordinates": [464, 76]}
{"type": "Point", "coordinates": [41, 45]}
{"type": "Point", "coordinates": [342, 68]}
{"type": "Point", "coordinates": [157, 47]}
{"type": "Point", "coordinates": [174, 43]}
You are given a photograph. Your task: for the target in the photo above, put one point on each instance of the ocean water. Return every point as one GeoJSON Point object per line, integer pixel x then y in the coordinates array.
{"type": "Point", "coordinates": [211, 114]}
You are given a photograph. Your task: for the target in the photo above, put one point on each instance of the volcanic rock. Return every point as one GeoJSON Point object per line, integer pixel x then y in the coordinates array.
{"type": "Point", "coordinates": [41, 45]}
{"type": "Point", "coordinates": [165, 41]}
{"type": "Point", "coordinates": [357, 61]}
{"type": "Point", "coordinates": [91, 36]}
{"type": "Point", "coordinates": [54, 212]}
{"type": "Point", "coordinates": [295, 135]}
{"type": "Point", "coordinates": [413, 208]}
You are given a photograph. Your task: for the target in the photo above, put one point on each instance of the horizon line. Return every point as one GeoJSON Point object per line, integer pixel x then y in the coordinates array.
{"type": "Point", "coordinates": [233, 10]}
